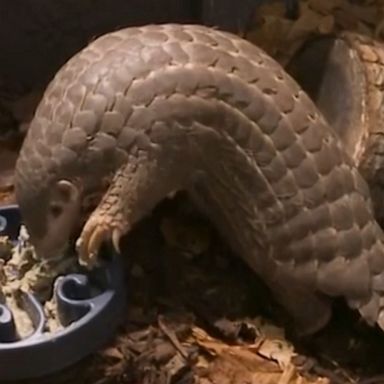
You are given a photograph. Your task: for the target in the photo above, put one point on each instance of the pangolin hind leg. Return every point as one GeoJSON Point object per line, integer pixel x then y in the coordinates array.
{"type": "Point", "coordinates": [237, 217]}
{"type": "Point", "coordinates": [309, 311]}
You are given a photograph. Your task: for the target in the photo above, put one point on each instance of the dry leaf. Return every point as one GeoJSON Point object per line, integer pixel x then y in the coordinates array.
{"type": "Point", "coordinates": [277, 350]}
{"type": "Point", "coordinates": [267, 362]}
{"type": "Point", "coordinates": [327, 25]}
{"type": "Point", "coordinates": [113, 353]}
{"type": "Point", "coordinates": [325, 7]}
{"type": "Point", "coordinates": [281, 37]}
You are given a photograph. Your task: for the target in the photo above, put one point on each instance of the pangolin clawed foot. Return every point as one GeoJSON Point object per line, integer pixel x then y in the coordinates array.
{"type": "Point", "coordinates": [99, 229]}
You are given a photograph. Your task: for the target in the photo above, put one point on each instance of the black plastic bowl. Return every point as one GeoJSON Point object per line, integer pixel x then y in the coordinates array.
{"type": "Point", "coordinates": [90, 308]}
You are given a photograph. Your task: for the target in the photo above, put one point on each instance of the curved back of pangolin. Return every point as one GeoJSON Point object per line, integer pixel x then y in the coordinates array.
{"type": "Point", "coordinates": [134, 87]}
{"type": "Point", "coordinates": [371, 157]}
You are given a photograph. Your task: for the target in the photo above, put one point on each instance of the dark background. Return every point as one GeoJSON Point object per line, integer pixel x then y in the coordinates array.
{"type": "Point", "coordinates": [38, 36]}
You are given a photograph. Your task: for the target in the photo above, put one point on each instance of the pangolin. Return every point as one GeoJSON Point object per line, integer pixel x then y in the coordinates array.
{"type": "Point", "coordinates": [145, 111]}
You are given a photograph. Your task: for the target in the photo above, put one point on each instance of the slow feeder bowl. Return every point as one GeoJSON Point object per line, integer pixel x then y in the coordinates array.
{"type": "Point", "coordinates": [89, 305]}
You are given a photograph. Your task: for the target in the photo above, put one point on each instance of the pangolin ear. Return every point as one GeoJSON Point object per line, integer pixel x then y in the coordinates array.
{"type": "Point", "coordinates": [66, 192]}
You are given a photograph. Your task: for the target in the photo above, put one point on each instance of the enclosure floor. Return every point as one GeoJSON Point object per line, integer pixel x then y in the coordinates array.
{"type": "Point", "coordinates": [196, 314]}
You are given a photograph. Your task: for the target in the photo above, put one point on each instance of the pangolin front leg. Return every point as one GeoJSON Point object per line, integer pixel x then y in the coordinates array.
{"type": "Point", "coordinates": [107, 221]}
{"type": "Point", "coordinates": [135, 189]}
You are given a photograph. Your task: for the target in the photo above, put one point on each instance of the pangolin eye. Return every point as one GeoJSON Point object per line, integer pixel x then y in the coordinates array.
{"type": "Point", "coordinates": [56, 210]}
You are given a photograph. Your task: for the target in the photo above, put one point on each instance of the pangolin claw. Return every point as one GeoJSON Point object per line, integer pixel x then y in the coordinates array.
{"type": "Point", "coordinates": [97, 237]}
{"type": "Point", "coordinates": [94, 233]}
{"type": "Point", "coordinates": [116, 236]}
